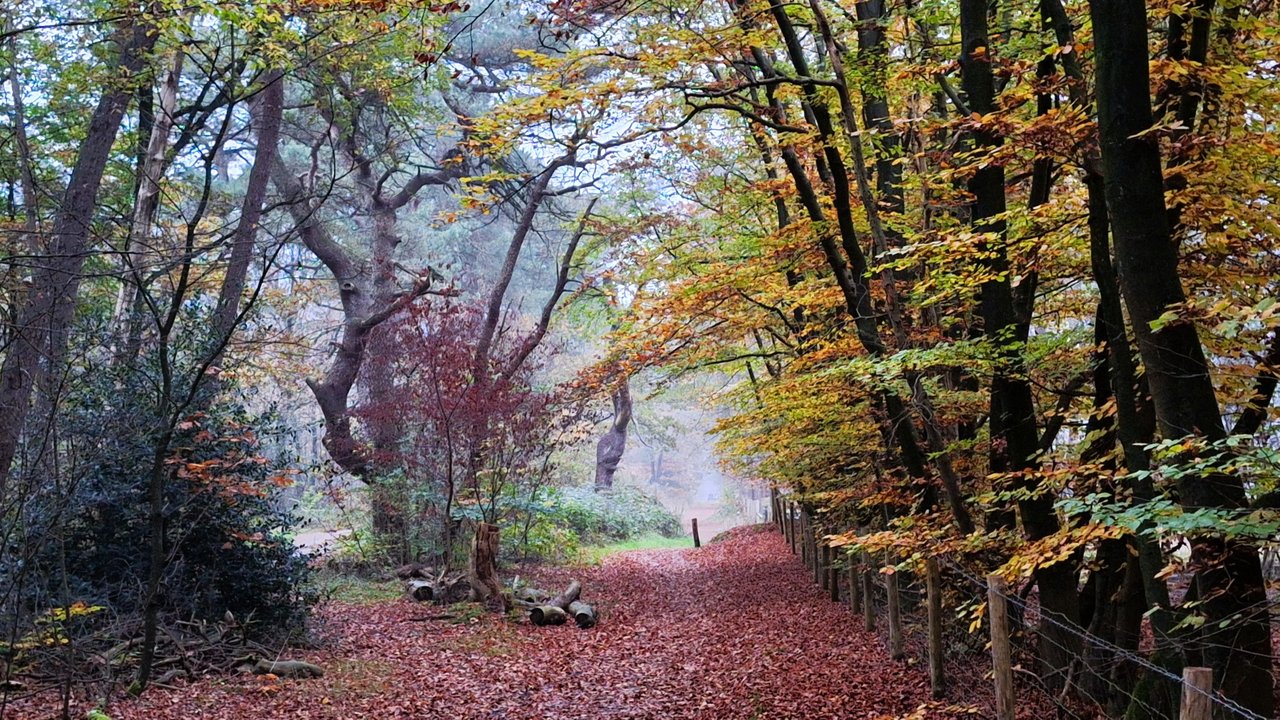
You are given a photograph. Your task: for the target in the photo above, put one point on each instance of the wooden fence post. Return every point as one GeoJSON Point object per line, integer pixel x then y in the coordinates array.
{"type": "Point", "coordinates": [855, 606]}
{"type": "Point", "coordinates": [804, 537]}
{"type": "Point", "coordinates": [868, 598]}
{"type": "Point", "coordinates": [896, 649]}
{"type": "Point", "coordinates": [1001, 653]}
{"type": "Point", "coordinates": [791, 524]}
{"type": "Point", "coordinates": [1197, 694]}
{"type": "Point", "coordinates": [833, 575]}
{"type": "Point", "coordinates": [819, 574]}
{"type": "Point", "coordinates": [697, 542]}
{"type": "Point", "coordinates": [825, 581]}
{"type": "Point", "coordinates": [933, 590]}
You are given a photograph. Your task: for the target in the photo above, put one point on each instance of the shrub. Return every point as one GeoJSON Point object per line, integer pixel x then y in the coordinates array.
{"type": "Point", "coordinates": [227, 541]}
{"type": "Point", "coordinates": [605, 516]}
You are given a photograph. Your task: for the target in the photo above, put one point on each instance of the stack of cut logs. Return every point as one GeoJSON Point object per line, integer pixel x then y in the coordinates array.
{"type": "Point", "coordinates": [424, 584]}
{"type": "Point", "coordinates": [547, 610]}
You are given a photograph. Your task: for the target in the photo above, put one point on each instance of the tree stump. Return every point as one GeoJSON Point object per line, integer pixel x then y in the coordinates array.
{"type": "Point", "coordinates": [485, 587]}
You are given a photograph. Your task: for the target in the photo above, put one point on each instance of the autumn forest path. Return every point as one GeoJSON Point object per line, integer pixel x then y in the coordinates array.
{"type": "Point", "coordinates": [730, 630]}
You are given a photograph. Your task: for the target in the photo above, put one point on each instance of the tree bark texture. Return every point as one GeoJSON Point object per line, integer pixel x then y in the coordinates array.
{"type": "Point", "coordinates": [1229, 574]}
{"type": "Point", "coordinates": [485, 586]}
{"type": "Point", "coordinates": [265, 118]}
{"type": "Point", "coordinates": [1014, 440]}
{"type": "Point", "coordinates": [613, 443]}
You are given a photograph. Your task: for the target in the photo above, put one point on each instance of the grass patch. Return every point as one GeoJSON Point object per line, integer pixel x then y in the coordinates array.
{"type": "Point", "coordinates": [594, 554]}
{"type": "Point", "coordinates": [358, 591]}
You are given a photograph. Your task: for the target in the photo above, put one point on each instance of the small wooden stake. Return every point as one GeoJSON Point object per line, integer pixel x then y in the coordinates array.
{"type": "Point", "coordinates": [1001, 653]}
{"type": "Point", "coordinates": [697, 542]}
{"type": "Point", "coordinates": [1197, 694]}
{"type": "Point", "coordinates": [933, 588]}
{"type": "Point", "coordinates": [896, 649]}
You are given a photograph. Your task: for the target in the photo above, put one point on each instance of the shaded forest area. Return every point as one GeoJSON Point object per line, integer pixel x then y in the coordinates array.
{"type": "Point", "coordinates": [991, 284]}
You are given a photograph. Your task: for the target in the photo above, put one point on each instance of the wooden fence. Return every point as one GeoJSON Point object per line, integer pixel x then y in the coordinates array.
{"type": "Point", "coordinates": [862, 583]}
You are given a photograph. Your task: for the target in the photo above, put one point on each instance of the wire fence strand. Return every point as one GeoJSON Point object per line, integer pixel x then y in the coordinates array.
{"type": "Point", "coordinates": [1116, 651]}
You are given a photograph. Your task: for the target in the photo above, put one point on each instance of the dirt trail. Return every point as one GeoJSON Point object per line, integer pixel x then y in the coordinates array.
{"type": "Point", "coordinates": [732, 630]}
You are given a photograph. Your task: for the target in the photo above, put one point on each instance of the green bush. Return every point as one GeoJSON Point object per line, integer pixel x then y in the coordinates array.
{"type": "Point", "coordinates": [227, 541]}
{"type": "Point", "coordinates": [623, 513]}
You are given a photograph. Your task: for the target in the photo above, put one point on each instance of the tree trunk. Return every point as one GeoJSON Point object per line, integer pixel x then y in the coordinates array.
{"type": "Point", "coordinates": [265, 118]}
{"type": "Point", "coordinates": [140, 253]}
{"type": "Point", "coordinates": [1229, 574]}
{"type": "Point", "coordinates": [38, 346]}
{"type": "Point", "coordinates": [614, 442]}
{"type": "Point", "coordinates": [30, 195]}
{"type": "Point", "coordinates": [1014, 440]}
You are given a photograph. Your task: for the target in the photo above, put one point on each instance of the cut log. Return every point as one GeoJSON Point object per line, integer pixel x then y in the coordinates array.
{"type": "Point", "coordinates": [548, 615]}
{"type": "Point", "coordinates": [583, 614]}
{"type": "Point", "coordinates": [569, 595]}
{"type": "Point", "coordinates": [415, 570]}
{"type": "Point", "coordinates": [421, 590]}
{"type": "Point", "coordinates": [533, 595]}
{"type": "Point", "coordinates": [553, 611]}
{"type": "Point", "coordinates": [443, 590]}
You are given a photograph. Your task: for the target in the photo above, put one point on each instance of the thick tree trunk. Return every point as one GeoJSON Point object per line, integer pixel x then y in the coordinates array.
{"type": "Point", "coordinates": [613, 443]}
{"type": "Point", "coordinates": [1229, 574]}
{"type": "Point", "coordinates": [39, 342]}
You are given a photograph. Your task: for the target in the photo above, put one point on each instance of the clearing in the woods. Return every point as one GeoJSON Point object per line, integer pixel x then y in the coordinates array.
{"type": "Point", "coordinates": [729, 630]}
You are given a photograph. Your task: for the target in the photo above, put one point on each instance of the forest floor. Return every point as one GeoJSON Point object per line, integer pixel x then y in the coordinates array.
{"type": "Point", "coordinates": [733, 630]}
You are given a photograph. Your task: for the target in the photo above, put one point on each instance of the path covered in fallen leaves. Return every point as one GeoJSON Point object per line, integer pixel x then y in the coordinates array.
{"type": "Point", "coordinates": [731, 630]}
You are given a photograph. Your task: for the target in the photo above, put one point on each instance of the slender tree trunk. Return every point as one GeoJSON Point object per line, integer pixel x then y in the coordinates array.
{"type": "Point", "coordinates": [266, 117]}
{"type": "Point", "coordinates": [140, 251]}
{"type": "Point", "coordinates": [1014, 440]}
{"type": "Point", "coordinates": [30, 194]}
